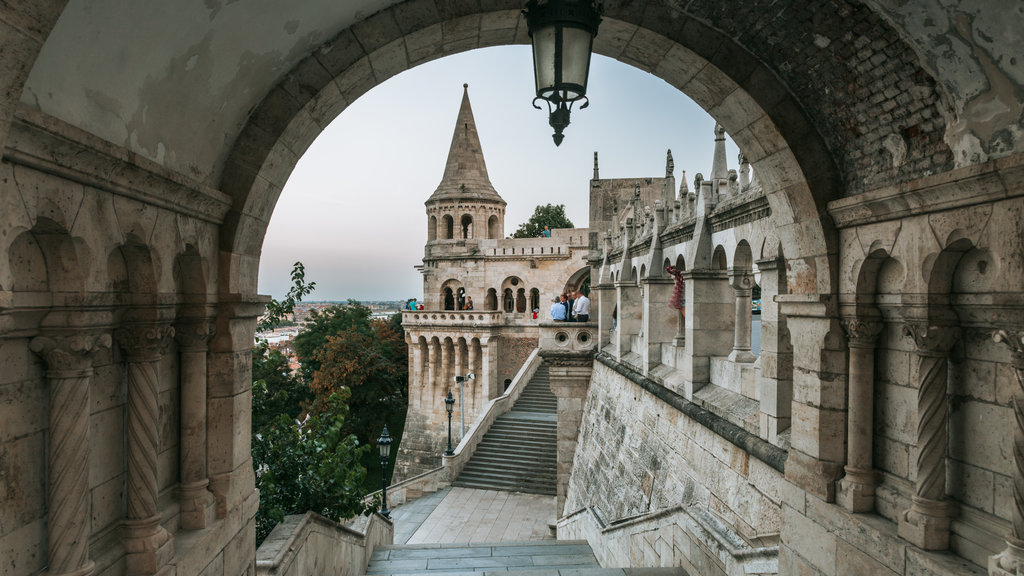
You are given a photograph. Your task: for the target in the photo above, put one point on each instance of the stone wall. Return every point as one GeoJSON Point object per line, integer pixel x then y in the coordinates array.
{"type": "Point", "coordinates": [512, 352]}
{"type": "Point", "coordinates": [311, 544]}
{"type": "Point", "coordinates": [637, 455]}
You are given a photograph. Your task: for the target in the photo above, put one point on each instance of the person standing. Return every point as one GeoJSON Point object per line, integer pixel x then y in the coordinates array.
{"type": "Point", "coordinates": [469, 303]}
{"type": "Point", "coordinates": [581, 308]}
{"type": "Point", "coordinates": [558, 310]}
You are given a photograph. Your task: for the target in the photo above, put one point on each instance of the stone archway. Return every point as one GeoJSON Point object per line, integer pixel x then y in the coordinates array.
{"type": "Point", "coordinates": [755, 108]}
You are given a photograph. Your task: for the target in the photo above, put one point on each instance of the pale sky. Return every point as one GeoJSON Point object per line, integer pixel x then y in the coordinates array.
{"type": "Point", "coordinates": [352, 210]}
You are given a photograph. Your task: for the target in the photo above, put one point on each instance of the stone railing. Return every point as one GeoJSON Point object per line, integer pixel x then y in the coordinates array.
{"type": "Point", "coordinates": [311, 544]}
{"type": "Point", "coordinates": [454, 464]}
{"type": "Point", "coordinates": [482, 318]}
{"type": "Point", "coordinates": [570, 338]}
{"type": "Point", "coordinates": [621, 543]}
{"type": "Point", "coordinates": [433, 480]}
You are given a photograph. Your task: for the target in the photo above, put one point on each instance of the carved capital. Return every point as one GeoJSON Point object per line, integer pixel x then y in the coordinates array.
{"type": "Point", "coordinates": [69, 353]}
{"type": "Point", "coordinates": [862, 333]}
{"type": "Point", "coordinates": [1015, 342]}
{"type": "Point", "coordinates": [144, 341]}
{"type": "Point", "coordinates": [932, 340]}
{"type": "Point", "coordinates": [194, 334]}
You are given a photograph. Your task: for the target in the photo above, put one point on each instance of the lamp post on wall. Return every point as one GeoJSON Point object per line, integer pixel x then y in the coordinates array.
{"type": "Point", "coordinates": [384, 444]}
{"type": "Point", "coordinates": [462, 410]}
{"type": "Point", "coordinates": [563, 33]}
{"type": "Point", "coordinates": [449, 405]}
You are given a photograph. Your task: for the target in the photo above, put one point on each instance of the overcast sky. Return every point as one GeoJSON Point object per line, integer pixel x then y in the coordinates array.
{"type": "Point", "coordinates": [352, 210]}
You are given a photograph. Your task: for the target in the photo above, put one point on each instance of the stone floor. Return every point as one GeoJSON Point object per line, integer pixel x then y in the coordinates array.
{"type": "Point", "coordinates": [467, 515]}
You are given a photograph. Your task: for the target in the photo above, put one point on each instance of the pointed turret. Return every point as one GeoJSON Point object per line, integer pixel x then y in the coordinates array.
{"type": "Point", "coordinates": [719, 165]}
{"type": "Point", "coordinates": [465, 173]}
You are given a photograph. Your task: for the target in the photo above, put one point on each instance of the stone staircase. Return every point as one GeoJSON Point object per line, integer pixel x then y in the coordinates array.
{"type": "Point", "coordinates": [540, 558]}
{"type": "Point", "coordinates": [519, 452]}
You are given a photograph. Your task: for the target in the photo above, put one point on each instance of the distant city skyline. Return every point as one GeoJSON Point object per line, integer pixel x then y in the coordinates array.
{"type": "Point", "coordinates": [352, 210]}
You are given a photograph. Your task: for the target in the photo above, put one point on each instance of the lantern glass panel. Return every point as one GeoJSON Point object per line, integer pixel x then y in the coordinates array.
{"type": "Point", "coordinates": [544, 60]}
{"type": "Point", "coordinates": [575, 61]}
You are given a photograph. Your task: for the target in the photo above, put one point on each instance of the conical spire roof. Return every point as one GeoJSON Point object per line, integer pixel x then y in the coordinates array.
{"type": "Point", "coordinates": [465, 174]}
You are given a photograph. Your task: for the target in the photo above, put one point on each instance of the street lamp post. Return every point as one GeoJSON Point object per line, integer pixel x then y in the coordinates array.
{"type": "Point", "coordinates": [449, 405]}
{"type": "Point", "coordinates": [462, 407]}
{"type": "Point", "coordinates": [562, 34]}
{"type": "Point", "coordinates": [384, 444]}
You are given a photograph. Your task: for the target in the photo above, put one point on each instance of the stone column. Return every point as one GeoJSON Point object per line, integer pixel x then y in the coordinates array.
{"type": "Point", "coordinates": [628, 310]}
{"type": "Point", "coordinates": [603, 300]}
{"type": "Point", "coordinates": [491, 386]}
{"type": "Point", "coordinates": [742, 282]}
{"type": "Point", "coordinates": [817, 450]}
{"type": "Point", "coordinates": [926, 524]}
{"type": "Point", "coordinates": [1010, 562]}
{"type": "Point", "coordinates": [148, 544]}
{"type": "Point", "coordinates": [69, 375]}
{"type": "Point", "coordinates": [430, 387]}
{"type": "Point", "coordinates": [658, 327]}
{"type": "Point", "coordinates": [444, 369]}
{"type": "Point", "coordinates": [775, 385]}
{"type": "Point", "coordinates": [710, 315]}
{"type": "Point", "coordinates": [193, 336]}
{"type": "Point", "coordinates": [568, 350]}
{"type": "Point", "coordinates": [857, 488]}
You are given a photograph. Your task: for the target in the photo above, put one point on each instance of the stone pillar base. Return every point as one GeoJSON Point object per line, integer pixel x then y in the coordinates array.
{"type": "Point", "coordinates": [742, 356]}
{"type": "Point", "coordinates": [817, 477]}
{"type": "Point", "coordinates": [197, 510]}
{"type": "Point", "coordinates": [857, 490]}
{"type": "Point", "coordinates": [148, 544]}
{"type": "Point", "coordinates": [1009, 562]}
{"type": "Point", "coordinates": [83, 571]}
{"type": "Point", "coordinates": [926, 524]}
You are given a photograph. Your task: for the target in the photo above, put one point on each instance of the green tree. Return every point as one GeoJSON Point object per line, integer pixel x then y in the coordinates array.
{"type": "Point", "coordinates": [278, 309]}
{"type": "Point", "coordinates": [303, 460]}
{"type": "Point", "coordinates": [309, 465]}
{"type": "Point", "coordinates": [342, 349]}
{"type": "Point", "coordinates": [550, 215]}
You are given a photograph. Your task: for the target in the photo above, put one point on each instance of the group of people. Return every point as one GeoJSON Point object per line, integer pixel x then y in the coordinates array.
{"type": "Point", "coordinates": [571, 307]}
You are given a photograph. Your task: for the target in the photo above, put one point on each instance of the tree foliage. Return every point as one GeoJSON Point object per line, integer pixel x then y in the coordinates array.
{"type": "Point", "coordinates": [343, 349]}
{"type": "Point", "coordinates": [550, 215]}
{"type": "Point", "coordinates": [278, 309]}
{"type": "Point", "coordinates": [308, 465]}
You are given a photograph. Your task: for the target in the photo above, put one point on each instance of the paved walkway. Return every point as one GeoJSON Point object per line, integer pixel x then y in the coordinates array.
{"type": "Point", "coordinates": [467, 515]}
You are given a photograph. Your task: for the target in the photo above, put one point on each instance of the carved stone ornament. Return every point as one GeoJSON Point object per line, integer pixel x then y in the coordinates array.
{"type": "Point", "coordinates": [862, 332]}
{"type": "Point", "coordinates": [193, 335]}
{"type": "Point", "coordinates": [1015, 342]}
{"type": "Point", "coordinates": [144, 341]}
{"type": "Point", "coordinates": [74, 353]}
{"type": "Point", "coordinates": [930, 339]}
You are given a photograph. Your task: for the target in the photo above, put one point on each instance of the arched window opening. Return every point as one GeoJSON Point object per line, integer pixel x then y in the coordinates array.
{"type": "Point", "coordinates": [493, 230]}
{"type": "Point", "coordinates": [432, 228]}
{"type": "Point", "coordinates": [509, 300]}
{"type": "Point", "coordinates": [460, 299]}
{"type": "Point", "coordinates": [521, 300]}
{"type": "Point", "coordinates": [491, 299]}
{"type": "Point", "coordinates": [467, 226]}
{"type": "Point", "coordinates": [534, 299]}
{"type": "Point", "coordinates": [449, 227]}
{"type": "Point", "coordinates": [449, 299]}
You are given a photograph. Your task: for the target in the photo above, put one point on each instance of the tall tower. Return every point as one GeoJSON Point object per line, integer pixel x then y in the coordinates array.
{"type": "Point", "coordinates": [465, 205]}
{"type": "Point", "coordinates": [479, 293]}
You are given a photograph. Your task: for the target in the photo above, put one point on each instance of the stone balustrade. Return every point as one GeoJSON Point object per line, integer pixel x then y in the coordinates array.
{"type": "Point", "coordinates": [460, 318]}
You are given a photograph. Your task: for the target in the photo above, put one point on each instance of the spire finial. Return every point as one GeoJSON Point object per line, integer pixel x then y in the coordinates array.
{"type": "Point", "coordinates": [670, 165]}
{"type": "Point", "coordinates": [596, 176]}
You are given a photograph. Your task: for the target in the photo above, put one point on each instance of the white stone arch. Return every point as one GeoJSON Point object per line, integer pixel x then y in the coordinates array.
{"type": "Point", "coordinates": [779, 166]}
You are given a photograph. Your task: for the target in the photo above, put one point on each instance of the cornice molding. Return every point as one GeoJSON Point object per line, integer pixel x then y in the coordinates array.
{"type": "Point", "coordinates": [51, 146]}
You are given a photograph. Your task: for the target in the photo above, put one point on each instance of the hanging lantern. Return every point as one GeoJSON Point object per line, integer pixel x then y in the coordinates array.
{"type": "Point", "coordinates": [563, 35]}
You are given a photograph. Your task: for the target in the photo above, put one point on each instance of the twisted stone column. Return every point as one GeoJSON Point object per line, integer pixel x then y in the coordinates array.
{"type": "Point", "coordinates": [193, 336]}
{"type": "Point", "coordinates": [69, 375]}
{"type": "Point", "coordinates": [1010, 562]}
{"type": "Point", "coordinates": [926, 524]}
{"type": "Point", "coordinates": [857, 492]}
{"type": "Point", "coordinates": [148, 544]}
{"type": "Point", "coordinates": [743, 286]}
